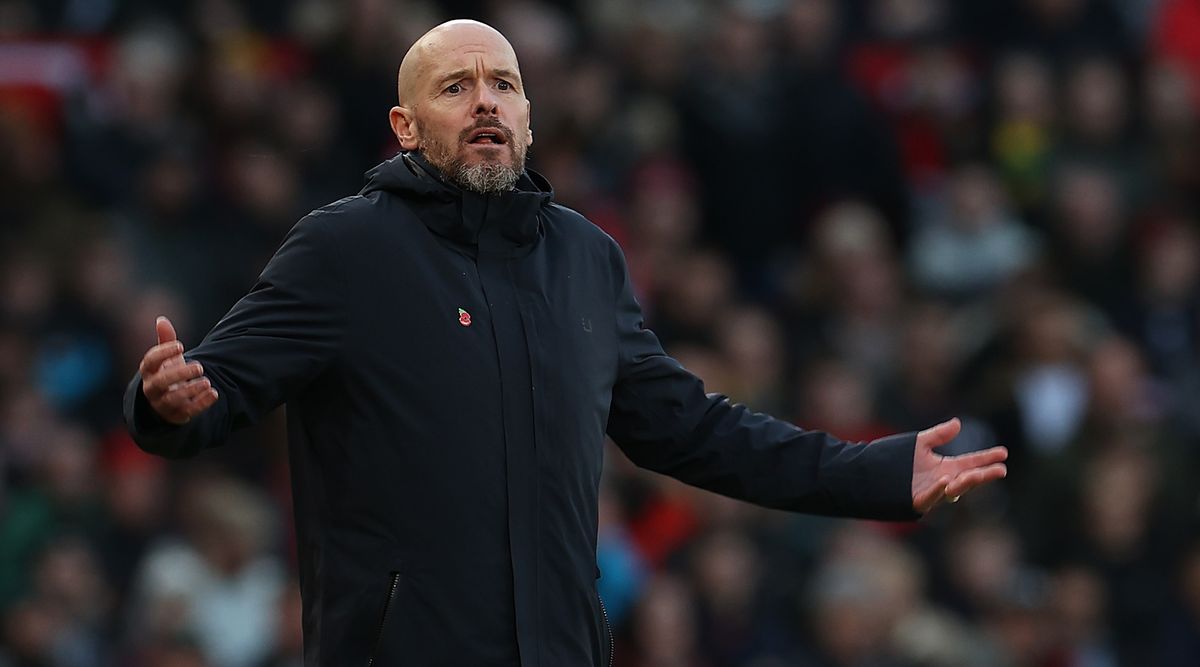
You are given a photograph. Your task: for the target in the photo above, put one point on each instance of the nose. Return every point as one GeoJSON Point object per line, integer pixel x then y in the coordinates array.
{"type": "Point", "coordinates": [486, 103]}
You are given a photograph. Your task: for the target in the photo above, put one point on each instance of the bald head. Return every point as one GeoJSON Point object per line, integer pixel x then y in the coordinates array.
{"type": "Point", "coordinates": [462, 104]}
{"type": "Point", "coordinates": [435, 45]}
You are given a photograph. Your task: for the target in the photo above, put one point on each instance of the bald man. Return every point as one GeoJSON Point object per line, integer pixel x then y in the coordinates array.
{"type": "Point", "coordinates": [453, 347]}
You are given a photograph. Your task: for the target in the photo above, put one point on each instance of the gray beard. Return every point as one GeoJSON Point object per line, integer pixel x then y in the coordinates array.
{"type": "Point", "coordinates": [484, 178]}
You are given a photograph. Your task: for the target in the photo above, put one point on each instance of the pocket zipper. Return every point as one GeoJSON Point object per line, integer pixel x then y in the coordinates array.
{"type": "Point", "coordinates": [387, 607]}
{"type": "Point", "coordinates": [607, 628]}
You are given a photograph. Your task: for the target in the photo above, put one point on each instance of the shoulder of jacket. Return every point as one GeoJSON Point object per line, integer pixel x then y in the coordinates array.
{"type": "Point", "coordinates": [346, 206]}
{"type": "Point", "coordinates": [349, 217]}
{"type": "Point", "coordinates": [570, 222]}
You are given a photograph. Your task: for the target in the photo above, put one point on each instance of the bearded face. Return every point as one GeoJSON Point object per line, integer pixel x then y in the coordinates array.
{"type": "Point", "coordinates": [485, 158]}
{"type": "Point", "coordinates": [463, 105]}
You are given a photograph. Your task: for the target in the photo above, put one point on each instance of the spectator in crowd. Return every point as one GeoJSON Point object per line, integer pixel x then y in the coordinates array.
{"type": "Point", "coordinates": [975, 244]}
{"type": "Point", "coordinates": [220, 585]}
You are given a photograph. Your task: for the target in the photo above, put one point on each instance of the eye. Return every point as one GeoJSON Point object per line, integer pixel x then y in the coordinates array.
{"type": "Point", "coordinates": [454, 89]}
{"type": "Point", "coordinates": [504, 85]}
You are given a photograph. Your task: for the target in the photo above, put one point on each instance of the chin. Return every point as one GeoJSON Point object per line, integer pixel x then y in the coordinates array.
{"type": "Point", "coordinates": [487, 156]}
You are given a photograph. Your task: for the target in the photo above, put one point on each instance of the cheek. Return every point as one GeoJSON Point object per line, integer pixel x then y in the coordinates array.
{"type": "Point", "coordinates": [517, 114]}
{"type": "Point", "coordinates": [439, 129]}
{"type": "Point", "coordinates": [446, 135]}
{"type": "Point", "coordinates": [523, 133]}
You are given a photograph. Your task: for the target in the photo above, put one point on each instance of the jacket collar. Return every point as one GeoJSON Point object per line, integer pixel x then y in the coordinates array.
{"type": "Point", "coordinates": [507, 223]}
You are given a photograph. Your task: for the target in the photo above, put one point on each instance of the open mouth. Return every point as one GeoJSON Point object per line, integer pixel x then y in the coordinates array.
{"type": "Point", "coordinates": [486, 135]}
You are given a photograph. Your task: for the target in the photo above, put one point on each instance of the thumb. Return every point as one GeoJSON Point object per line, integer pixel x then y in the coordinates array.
{"type": "Point", "coordinates": [166, 332]}
{"type": "Point", "coordinates": [936, 436]}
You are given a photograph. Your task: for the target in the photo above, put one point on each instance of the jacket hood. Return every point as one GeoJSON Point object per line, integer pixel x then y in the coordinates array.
{"type": "Point", "coordinates": [492, 223]}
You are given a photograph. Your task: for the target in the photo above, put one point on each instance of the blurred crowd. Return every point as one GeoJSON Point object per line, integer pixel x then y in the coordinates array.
{"type": "Point", "coordinates": [863, 216]}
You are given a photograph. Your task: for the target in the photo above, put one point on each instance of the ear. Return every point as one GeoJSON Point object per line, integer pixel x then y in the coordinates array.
{"type": "Point", "coordinates": [528, 124]}
{"type": "Point", "coordinates": [404, 127]}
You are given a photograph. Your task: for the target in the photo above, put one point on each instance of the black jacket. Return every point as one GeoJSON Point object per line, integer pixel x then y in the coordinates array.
{"type": "Point", "coordinates": [451, 363]}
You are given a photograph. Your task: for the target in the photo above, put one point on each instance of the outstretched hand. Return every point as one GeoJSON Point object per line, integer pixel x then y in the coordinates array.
{"type": "Point", "coordinates": [936, 478]}
{"type": "Point", "coordinates": [175, 388]}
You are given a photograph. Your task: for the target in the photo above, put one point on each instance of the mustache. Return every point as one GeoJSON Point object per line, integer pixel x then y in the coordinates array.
{"type": "Point", "coordinates": [490, 124]}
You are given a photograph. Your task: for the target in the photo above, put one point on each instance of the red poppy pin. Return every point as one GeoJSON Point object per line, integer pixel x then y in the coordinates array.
{"type": "Point", "coordinates": [464, 318]}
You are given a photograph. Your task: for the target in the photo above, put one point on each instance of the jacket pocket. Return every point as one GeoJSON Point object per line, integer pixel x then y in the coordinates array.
{"type": "Point", "coordinates": [606, 643]}
{"type": "Point", "coordinates": [388, 604]}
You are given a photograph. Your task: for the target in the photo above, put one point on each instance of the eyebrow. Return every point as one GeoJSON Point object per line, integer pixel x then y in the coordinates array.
{"type": "Point", "coordinates": [465, 72]}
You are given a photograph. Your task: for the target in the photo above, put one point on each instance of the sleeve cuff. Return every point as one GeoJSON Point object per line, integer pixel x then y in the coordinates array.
{"type": "Point", "coordinates": [892, 462]}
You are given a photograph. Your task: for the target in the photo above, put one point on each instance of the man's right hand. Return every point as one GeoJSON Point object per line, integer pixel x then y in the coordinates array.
{"type": "Point", "coordinates": [175, 388]}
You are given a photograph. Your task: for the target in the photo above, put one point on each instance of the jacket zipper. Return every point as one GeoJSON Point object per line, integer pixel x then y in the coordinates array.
{"type": "Point", "coordinates": [608, 629]}
{"type": "Point", "coordinates": [387, 607]}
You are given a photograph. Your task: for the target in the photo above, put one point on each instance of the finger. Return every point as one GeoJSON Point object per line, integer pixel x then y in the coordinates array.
{"type": "Point", "coordinates": [180, 394]}
{"type": "Point", "coordinates": [156, 355]}
{"type": "Point", "coordinates": [166, 331]}
{"type": "Point", "coordinates": [158, 384]}
{"type": "Point", "coordinates": [166, 378]}
{"type": "Point", "coordinates": [202, 402]}
{"type": "Point", "coordinates": [181, 405]}
{"type": "Point", "coordinates": [977, 477]}
{"type": "Point", "coordinates": [936, 436]}
{"type": "Point", "coordinates": [930, 496]}
{"type": "Point", "coordinates": [981, 459]}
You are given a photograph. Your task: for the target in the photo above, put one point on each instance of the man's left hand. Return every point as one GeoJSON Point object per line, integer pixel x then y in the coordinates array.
{"type": "Point", "coordinates": [936, 478]}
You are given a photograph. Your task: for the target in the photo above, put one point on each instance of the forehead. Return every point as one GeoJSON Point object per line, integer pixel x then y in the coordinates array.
{"type": "Point", "coordinates": [467, 49]}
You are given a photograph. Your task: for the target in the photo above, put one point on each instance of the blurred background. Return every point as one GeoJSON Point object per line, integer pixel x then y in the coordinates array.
{"type": "Point", "coordinates": [863, 216]}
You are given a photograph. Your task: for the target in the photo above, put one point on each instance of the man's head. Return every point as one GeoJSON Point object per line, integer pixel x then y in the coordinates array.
{"type": "Point", "coordinates": [463, 106]}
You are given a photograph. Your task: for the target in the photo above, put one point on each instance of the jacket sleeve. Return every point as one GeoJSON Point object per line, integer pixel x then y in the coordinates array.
{"type": "Point", "coordinates": [663, 420]}
{"type": "Point", "coordinates": [273, 341]}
